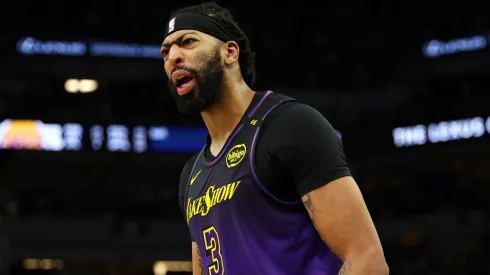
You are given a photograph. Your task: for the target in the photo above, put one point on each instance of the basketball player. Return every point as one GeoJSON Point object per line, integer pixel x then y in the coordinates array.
{"type": "Point", "coordinates": [270, 192]}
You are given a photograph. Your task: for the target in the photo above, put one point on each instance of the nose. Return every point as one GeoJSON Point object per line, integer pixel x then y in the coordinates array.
{"type": "Point", "coordinates": [175, 56]}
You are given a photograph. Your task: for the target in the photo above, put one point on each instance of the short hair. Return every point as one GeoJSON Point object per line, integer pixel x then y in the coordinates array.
{"type": "Point", "coordinates": [246, 58]}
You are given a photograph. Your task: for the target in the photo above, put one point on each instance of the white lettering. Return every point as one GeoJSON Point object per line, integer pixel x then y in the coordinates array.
{"type": "Point", "coordinates": [443, 131]}
{"type": "Point", "coordinates": [73, 134]}
{"type": "Point", "coordinates": [139, 139]}
{"type": "Point", "coordinates": [96, 137]}
{"type": "Point", "coordinates": [436, 48]}
{"type": "Point", "coordinates": [32, 46]}
{"type": "Point", "coordinates": [117, 138]}
{"type": "Point", "coordinates": [51, 136]}
{"type": "Point", "coordinates": [409, 136]}
{"type": "Point", "coordinates": [457, 129]}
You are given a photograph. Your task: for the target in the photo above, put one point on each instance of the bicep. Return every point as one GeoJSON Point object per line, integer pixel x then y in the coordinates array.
{"type": "Point", "coordinates": [312, 153]}
{"type": "Point", "coordinates": [342, 218]}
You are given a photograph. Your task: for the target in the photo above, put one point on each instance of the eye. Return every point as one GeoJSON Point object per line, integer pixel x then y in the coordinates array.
{"type": "Point", "coordinates": [188, 41]}
{"type": "Point", "coordinates": [164, 52]}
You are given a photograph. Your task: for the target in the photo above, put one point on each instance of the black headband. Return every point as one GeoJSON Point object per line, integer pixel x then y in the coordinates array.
{"type": "Point", "coordinates": [198, 22]}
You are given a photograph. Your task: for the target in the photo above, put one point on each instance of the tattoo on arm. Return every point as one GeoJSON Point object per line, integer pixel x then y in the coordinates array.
{"type": "Point", "coordinates": [345, 270]}
{"type": "Point", "coordinates": [308, 202]}
{"type": "Point", "coordinates": [201, 265]}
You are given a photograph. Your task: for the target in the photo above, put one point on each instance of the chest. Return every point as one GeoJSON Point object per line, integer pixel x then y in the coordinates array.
{"type": "Point", "coordinates": [224, 183]}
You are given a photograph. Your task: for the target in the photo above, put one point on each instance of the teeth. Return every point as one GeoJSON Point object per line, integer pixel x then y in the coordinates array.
{"type": "Point", "coordinates": [180, 80]}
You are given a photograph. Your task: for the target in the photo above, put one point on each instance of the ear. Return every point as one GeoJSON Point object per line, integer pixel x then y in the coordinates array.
{"type": "Point", "coordinates": [231, 52]}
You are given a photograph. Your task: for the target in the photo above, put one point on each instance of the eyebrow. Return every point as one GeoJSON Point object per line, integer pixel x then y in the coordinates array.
{"type": "Point", "coordinates": [178, 40]}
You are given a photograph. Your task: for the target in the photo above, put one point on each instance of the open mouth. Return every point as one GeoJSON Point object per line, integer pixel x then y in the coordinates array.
{"type": "Point", "coordinates": [184, 84]}
{"type": "Point", "coordinates": [181, 81]}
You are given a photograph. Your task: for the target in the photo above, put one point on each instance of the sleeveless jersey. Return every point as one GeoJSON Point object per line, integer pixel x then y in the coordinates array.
{"type": "Point", "coordinates": [241, 228]}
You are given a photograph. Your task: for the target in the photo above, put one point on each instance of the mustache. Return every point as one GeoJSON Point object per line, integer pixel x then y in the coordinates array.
{"type": "Point", "coordinates": [184, 68]}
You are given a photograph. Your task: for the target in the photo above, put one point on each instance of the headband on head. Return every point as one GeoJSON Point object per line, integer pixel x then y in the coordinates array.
{"type": "Point", "coordinates": [198, 22]}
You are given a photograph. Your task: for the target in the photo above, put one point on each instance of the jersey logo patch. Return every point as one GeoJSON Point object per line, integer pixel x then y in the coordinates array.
{"type": "Point", "coordinates": [236, 155]}
{"type": "Point", "coordinates": [195, 177]}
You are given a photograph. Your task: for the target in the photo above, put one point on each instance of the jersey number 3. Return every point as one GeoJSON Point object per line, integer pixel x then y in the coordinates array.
{"type": "Point", "coordinates": [213, 248]}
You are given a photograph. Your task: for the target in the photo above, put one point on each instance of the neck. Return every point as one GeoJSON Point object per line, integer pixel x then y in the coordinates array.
{"type": "Point", "coordinates": [222, 118]}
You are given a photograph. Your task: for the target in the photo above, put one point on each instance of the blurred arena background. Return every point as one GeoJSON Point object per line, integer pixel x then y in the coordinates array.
{"type": "Point", "coordinates": [92, 145]}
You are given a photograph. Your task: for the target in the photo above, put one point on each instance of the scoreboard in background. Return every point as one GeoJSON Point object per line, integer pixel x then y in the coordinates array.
{"type": "Point", "coordinates": [37, 135]}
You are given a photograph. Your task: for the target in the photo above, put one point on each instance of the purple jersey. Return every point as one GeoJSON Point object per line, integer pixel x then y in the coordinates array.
{"type": "Point", "coordinates": [240, 227]}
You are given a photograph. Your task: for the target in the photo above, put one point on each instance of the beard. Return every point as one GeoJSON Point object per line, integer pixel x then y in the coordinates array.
{"type": "Point", "coordinates": [208, 84]}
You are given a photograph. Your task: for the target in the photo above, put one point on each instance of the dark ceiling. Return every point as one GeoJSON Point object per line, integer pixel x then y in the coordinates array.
{"type": "Point", "coordinates": [328, 44]}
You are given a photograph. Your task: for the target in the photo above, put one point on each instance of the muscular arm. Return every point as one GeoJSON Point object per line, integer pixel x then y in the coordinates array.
{"type": "Point", "coordinates": [197, 265]}
{"type": "Point", "coordinates": [310, 151]}
{"type": "Point", "coordinates": [342, 219]}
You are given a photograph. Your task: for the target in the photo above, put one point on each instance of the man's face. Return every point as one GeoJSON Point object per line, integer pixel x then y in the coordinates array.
{"type": "Point", "coordinates": [194, 66]}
